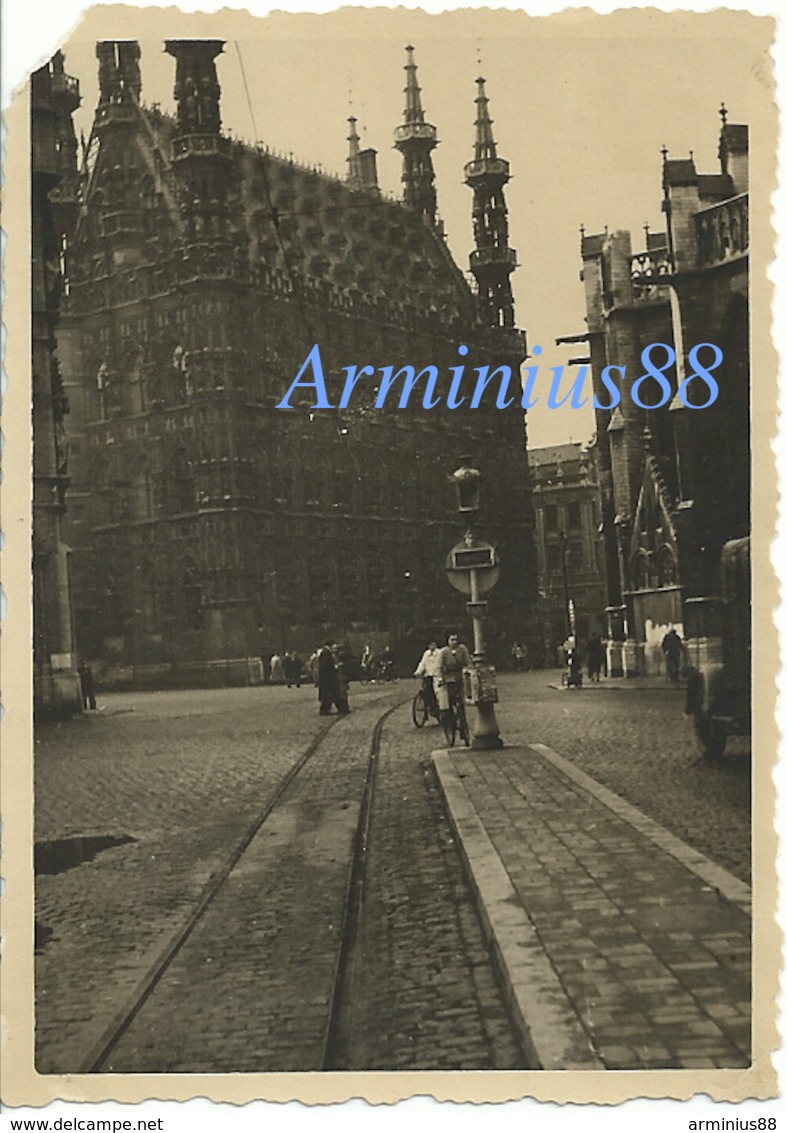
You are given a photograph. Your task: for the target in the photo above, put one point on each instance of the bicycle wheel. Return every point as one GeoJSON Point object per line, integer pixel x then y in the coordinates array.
{"type": "Point", "coordinates": [420, 711]}
{"type": "Point", "coordinates": [464, 730]}
{"type": "Point", "coordinates": [448, 720]}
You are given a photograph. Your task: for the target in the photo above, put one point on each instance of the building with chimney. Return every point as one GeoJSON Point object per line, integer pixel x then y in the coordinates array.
{"type": "Point", "coordinates": [674, 480]}
{"type": "Point", "coordinates": [210, 528]}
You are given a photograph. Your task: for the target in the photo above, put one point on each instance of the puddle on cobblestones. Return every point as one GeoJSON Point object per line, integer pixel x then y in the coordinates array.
{"type": "Point", "coordinates": [68, 853]}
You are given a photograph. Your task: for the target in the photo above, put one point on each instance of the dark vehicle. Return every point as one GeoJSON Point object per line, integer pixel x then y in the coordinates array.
{"type": "Point", "coordinates": [718, 688]}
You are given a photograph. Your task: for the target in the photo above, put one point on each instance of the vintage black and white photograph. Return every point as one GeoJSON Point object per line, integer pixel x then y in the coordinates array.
{"type": "Point", "coordinates": [393, 523]}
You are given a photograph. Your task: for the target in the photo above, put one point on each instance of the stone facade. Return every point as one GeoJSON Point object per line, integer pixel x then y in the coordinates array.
{"type": "Point", "coordinates": [569, 547]}
{"type": "Point", "coordinates": [209, 527]}
{"type": "Point", "coordinates": [54, 96]}
{"type": "Point", "coordinates": [675, 480]}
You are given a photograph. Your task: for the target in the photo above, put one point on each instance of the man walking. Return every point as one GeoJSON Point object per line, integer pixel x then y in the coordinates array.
{"type": "Point", "coordinates": [329, 688]}
{"type": "Point", "coordinates": [672, 646]}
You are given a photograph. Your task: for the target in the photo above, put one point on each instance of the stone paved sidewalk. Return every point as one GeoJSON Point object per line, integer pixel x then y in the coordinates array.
{"type": "Point", "coordinates": [616, 684]}
{"type": "Point", "coordinates": [619, 945]}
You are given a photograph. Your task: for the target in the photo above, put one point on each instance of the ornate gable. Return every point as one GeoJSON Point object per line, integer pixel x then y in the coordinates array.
{"type": "Point", "coordinates": [653, 551]}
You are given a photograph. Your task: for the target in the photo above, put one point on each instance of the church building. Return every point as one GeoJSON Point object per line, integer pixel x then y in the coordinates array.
{"type": "Point", "coordinates": [673, 459]}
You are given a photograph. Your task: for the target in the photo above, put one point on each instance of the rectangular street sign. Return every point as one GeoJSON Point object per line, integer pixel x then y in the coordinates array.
{"type": "Point", "coordinates": [467, 559]}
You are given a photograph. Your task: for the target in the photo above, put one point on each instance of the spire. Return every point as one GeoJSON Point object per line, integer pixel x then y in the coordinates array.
{"type": "Point", "coordinates": [492, 261]}
{"type": "Point", "coordinates": [733, 151]}
{"type": "Point", "coordinates": [413, 111]}
{"type": "Point", "coordinates": [484, 141]}
{"type": "Point", "coordinates": [415, 140]}
{"type": "Point", "coordinates": [353, 163]}
{"type": "Point", "coordinates": [353, 139]}
{"type": "Point", "coordinates": [361, 163]}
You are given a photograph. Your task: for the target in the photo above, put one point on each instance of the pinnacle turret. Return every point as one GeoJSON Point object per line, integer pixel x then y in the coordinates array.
{"type": "Point", "coordinates": [361, 163]}
{"type": "Point", "coordinates": [119, 77]}
{"type": "Point", "coordinates": [353, 139]}
{"type": "Point", "coordinates": [492, 261]}
{"type": "Point", "coordinates": [415, 139]}
{"type": "Point", "coordinates": [197, 89]}
{"type": "Point", "coordinates": [200, 152]}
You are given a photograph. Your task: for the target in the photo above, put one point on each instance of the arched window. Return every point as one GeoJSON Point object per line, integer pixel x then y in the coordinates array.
{"type": "Point", "coordinates": [141, 490]}
{"type": "Point", "coordinates": [667, 567]}
{"type": "Point", "coordinates": [110, 603]}
{"type": "Point", "coordinates": [100, 494]}
{"type": "Point", "coordinates": [133, 397]}
{"type": "Point", "coordinates": [321, 596]}
{"type": "Point", "coordinates": [148, 606]}
{"type": "Point", "coordinates": [181, 490]}
{"type": "Point", "coordinates": [342, 490]}
{"type": "Point", "coordinates": [193, 608]}
{"type": "Point", "coordinates": [280, 483]}
{"type": "Point", "coordinates": [640, 574]}
{"type": "Point", "coordinates": [349, 587]}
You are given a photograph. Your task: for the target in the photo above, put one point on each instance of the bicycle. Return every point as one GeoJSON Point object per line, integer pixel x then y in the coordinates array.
{"type": "Point", "coordinates": [454, 718]}
{"type": "Point", "coordinates": [425, 704]}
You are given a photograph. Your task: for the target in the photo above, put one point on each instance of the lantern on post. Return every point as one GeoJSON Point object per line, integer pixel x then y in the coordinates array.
{"type": "Point", "coordinates": [467, 482]}
{"type": "Point", "coordinates": [473, 569]}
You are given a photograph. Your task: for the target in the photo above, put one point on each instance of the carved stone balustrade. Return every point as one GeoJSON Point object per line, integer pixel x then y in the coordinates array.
{"type": "Point", "coordinates": [493, 257]}
{"type": "Point", "coordinates": [199, 145]}
{"type": "Point", "coordinates": [723, 231]}
{"type": "Point", "coordinates": [650, 271]}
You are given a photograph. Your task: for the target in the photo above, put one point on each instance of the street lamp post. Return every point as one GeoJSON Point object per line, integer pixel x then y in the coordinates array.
{"type": "Point", "coordinates": [566, 599]}
{"type": "Point", "coordinates": [473, 568]}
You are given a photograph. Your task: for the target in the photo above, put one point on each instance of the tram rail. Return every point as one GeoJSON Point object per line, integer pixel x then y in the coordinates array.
{"type": "Point", "coordinates": [95, 1061]}
{"type": "Point", "coordinates": [281, 961]}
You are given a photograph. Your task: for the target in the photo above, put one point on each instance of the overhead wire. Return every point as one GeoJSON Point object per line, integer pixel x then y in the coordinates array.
{"type": "Point", "coordinates": [273, 212]}
{"type": "Point", "coordinates": [341, 427]}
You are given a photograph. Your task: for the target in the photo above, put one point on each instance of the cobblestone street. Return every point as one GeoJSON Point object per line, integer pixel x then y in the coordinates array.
{"type": "Point", "coordinates": [639, 743]}
{"type": "Point", "coordinates": [182, 774]}
{"type": "Point", "coordinates": [177, 785]}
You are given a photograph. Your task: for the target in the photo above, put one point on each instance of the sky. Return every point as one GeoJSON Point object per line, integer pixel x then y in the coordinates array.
{"type": "Point", "coordinates": [582, 105]}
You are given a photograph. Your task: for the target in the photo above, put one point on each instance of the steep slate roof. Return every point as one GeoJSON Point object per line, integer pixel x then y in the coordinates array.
{"type": "Point", "coordinates": [340, 239]}
{"type": "Point", "coordinates": [550, 454]}
{"type": "Point", "coordinates": [347, 238]}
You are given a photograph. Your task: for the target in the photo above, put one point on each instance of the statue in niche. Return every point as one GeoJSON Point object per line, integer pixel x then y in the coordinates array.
{"type": "Point", "coordinates": [180, 373]}
{"type": "Point", "coordinates": [152, 382]}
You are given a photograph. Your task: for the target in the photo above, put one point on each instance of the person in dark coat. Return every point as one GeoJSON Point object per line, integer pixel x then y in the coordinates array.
{"type": "Point", "coordinates": [595, 657]}
{"type": "Point", "coordinates": [88, 686]}
{"type": "Point", "coordinates": [292, 669]}
{"type": "Point", "coordinates": [329, 688]}
{"type": "Point", "coordinates": [672, 646]}
{"type": "Point", "coordinates": [342, 658]}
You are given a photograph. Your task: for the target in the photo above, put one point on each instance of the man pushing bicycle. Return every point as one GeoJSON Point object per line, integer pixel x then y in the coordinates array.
{"type": "Point", "coordinates": [448, 681]}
